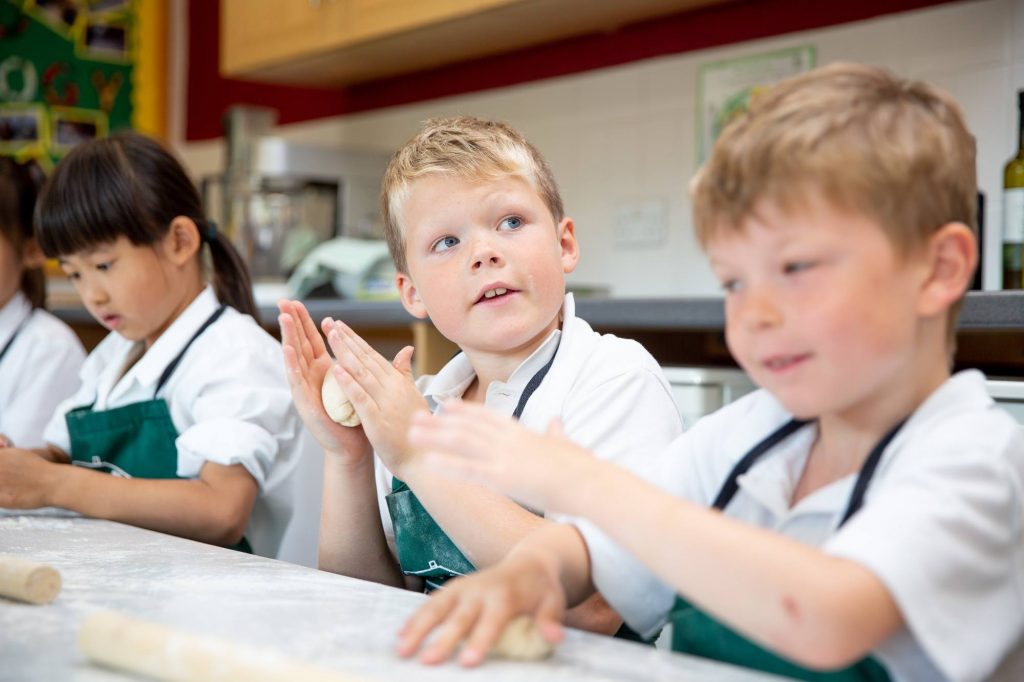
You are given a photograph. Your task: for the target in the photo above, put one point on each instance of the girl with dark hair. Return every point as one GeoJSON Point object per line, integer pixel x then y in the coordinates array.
{"type": "Point", "coordinates": [186, 403]}
{"type": "Point", "coordinates": [39, 355]}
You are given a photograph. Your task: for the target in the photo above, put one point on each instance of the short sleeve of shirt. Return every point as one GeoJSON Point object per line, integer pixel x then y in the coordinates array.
{"type": "Point", "coordinates": [942, 531]}
{"type": "Point", "coordinates": [627, 419]}
{"type": "Point", "coordinates": [242, 413]}
{"type": "Point", "coordinates": [692, 467]}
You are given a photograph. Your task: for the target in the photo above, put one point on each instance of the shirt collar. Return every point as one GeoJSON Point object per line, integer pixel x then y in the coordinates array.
{"type": "Point", "coordinates": [456, 376]}
{"type": "Point", "coordinates": [530, 366]}
{"type": "Point", "coordinates": [964, 391]}
{"type": "Point", "coordinates": [12, 315]}
{"type": "Point", "coordinates": [151, 365]}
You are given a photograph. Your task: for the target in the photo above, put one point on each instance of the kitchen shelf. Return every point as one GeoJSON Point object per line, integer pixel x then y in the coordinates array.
{"type": "Point", "coordinates": [330, 43]}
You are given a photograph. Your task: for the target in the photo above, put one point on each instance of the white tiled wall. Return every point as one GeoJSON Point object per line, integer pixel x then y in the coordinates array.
{"type": "Point", "coordinates": [627, 134]}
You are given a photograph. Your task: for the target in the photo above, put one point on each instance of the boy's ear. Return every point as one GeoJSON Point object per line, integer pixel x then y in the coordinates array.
{"type": "Point", "coordinates": [566, 232]}
{"type": "Point", "coordinates": [953, 252]}
{"type": "Point", "coordinates": [182, 242]}
{"type": "Point", "coordinates": [32, 256]}
{"type": "Point", "coordinates": [410, 296]}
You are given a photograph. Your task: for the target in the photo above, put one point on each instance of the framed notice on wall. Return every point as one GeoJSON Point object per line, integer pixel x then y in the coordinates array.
{"type": "Point", "coordinates": [724, 88]}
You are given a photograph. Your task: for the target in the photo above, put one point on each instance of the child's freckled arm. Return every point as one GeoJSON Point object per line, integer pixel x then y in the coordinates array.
{"type": "Point", "coordinates": [819, 610]}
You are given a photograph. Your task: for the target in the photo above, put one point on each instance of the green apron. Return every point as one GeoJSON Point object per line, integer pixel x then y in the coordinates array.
{"type": "Point", "coordinates": [697, 633]}
{"type": "Point", "coordinates": [426, 551]}
{"type": "Point", "coordinates": [135, 440]}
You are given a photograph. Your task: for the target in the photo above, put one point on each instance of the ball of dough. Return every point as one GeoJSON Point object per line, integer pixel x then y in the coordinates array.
{"type": "Point", "coordinates": [336, 402]}
{"type": "Point", "coordinates": [521, 640]}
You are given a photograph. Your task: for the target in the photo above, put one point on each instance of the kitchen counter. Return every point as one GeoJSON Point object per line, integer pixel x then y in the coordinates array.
{"type": "Point", "coordinates": [318, 618]}
{"type": "Point", "coordinates": [677, 331]}
{"type": "Point", "coordinates": [989, 310]}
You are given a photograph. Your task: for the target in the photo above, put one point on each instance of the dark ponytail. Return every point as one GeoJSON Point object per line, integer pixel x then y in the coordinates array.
{"type": "Point", "coordinates": [230, 275]}
{"type": "Point", "coordinates": [18, 190]}
{"type": "Point", "coordinates": [128, 185]}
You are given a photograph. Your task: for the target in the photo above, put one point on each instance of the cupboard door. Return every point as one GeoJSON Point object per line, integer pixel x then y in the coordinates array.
{"type": "Point", "coordinates": [377, 18]}
{"type": "Point", "coordinates": [255, 33]}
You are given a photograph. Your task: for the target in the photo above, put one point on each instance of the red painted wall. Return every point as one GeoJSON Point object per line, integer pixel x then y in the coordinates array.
{"type": "Point", "coordinates": [209, 94]}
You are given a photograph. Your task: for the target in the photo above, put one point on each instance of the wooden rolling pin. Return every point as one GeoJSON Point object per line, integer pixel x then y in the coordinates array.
{"type": "Point", "coordinates": [162, 653]}
{"type": "Point", "coordinates": [28, 581]}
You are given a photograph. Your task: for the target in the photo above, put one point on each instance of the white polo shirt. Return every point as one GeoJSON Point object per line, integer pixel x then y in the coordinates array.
{"type": "Point", "coordinates": [228, 398]}
{"type": "Point", "coordinates": [941, 524]}
{"type": "Point", "coordinates": [39, 370]}
{"type": "Point", "coordinates": [610, 394]}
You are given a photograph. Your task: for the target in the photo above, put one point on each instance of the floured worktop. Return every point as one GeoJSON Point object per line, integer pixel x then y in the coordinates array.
{"type": "Point", "coordinates": [311, 616]}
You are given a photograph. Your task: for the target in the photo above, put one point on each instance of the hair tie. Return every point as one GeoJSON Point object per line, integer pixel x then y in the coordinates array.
{"type": "Point", "coordinates": [210, 233]}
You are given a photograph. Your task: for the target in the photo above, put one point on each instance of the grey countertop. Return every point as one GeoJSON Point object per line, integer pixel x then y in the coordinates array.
{"type": "Point", "coordinates": [982, 311]}
{"type": "Point", "coordinates": [318, 618]}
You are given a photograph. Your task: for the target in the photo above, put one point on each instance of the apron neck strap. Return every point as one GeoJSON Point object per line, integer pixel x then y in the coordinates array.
{"type": "Point", "coordinates": [867, 470]}
{"type": "Point", "coordinates": [532, 385]}
{"type": "Point", "coordinates": [17, 330]}
{"type": "Point", "coordinates": [169, 370]}
{"type": "Point", "coordinates": [731, 485]}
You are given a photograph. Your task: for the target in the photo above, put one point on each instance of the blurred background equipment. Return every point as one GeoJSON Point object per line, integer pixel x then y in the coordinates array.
{"type": "Point", "coordinates": [279, 200]}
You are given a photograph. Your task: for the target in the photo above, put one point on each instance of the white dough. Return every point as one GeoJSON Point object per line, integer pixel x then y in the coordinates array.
{"type": "Point", "coordinates": [28, 581]}
{"type": "Point", "coordinates": [336, 402]}
{"type": "Point", "coordinates": [521, 640]}
{"type": "Point", "coordinates": [159, 652]}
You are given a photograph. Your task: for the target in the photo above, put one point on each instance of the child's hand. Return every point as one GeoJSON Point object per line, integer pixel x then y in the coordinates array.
{"type": "Point", "coordinates": [383, 393]}
{"type": "Point", "coordinates": [307, 361]}
{"type": "Point", "coordinates": [476, 608]}
{"type": "Point", "coordinates": [471, 441]}
{"type": "Point", "coordinates": [5, 442]}
{"type": "Point", "coordinates": [26, 479]}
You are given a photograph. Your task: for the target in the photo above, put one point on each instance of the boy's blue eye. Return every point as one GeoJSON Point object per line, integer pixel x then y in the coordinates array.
{"type": "Point", "coordinates": [731, 286]}
{"type": "Point", "coordinates": [103, 267]}
{"type": "Point", "coordinates": [512, 222]}
{"type": "Point", "coordinates": [444, 243]}
{"type": "Point", "coordinates": [797, 266]}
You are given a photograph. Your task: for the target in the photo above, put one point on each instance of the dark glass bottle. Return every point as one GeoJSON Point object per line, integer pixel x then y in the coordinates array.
{"type": "Point", "coordinates": [1013, 208]}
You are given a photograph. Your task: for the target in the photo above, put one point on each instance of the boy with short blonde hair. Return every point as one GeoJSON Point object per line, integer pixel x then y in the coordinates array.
{"type": "Point", "coordinates": [468, 148]}
{"type": "Point", "coordinates": [867, 507]}
{"type": "Point", "coordinates": [482, 246]}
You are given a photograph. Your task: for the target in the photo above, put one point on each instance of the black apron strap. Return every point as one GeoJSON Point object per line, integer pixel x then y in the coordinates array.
{"type": "Point", "coordinates": [532, 385]}
{"type": "Point", "coordinates": [867, 471]}
{"type": "Point", "coordinates": [169, 370]}
{"type": "Point", "coordinates": [731, 485]}
{"type": "Point", "coordinates": [17, 330]}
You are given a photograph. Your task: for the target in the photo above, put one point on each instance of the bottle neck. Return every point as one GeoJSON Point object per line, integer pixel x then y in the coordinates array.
{"type": "Point", "coordinates": [1020, 125]}
{"type": "Point", "coordinates": [1020, 133]}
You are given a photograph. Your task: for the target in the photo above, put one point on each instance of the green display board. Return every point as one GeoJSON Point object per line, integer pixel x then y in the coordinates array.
{"type": "Point", "coordinates": [65, 74]}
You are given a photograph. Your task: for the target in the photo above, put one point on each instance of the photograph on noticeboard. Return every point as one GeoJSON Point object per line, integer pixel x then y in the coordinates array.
{"type": "Point", "coordinates": [106, 41]}
{"type": "Point", "coordinates": [72, 126]}
{"type": "Point", "coordinates": [97, 6]}
{"type": "Point", "coordinates": [22, 128]}
{"type": "Point", "coordinates": [725, 87]}
{"type": "Point", "coordinates": [60, 15]}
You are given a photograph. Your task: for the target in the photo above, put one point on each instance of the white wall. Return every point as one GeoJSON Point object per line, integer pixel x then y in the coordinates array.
{"type": "Point", "coordinates": [627, 134]}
